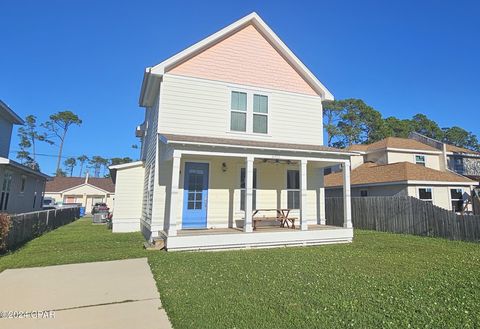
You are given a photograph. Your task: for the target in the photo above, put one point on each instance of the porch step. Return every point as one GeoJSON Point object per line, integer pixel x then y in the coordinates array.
{"type": "Point", "coordinates": [156, 244]}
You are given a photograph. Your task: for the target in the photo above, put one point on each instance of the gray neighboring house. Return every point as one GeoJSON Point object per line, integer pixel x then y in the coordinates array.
{"type": "Point", "coordinates": [21, 188]}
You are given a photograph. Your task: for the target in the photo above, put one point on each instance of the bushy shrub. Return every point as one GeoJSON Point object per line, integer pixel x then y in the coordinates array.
{"type": "Point", "coordinates": [4, 228]}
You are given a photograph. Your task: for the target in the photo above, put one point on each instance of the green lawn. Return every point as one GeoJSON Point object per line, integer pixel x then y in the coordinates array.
{"type": "Point", "coordinates": [381, 280]}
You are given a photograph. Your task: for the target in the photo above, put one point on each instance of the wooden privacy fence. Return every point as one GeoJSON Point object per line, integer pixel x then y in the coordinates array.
{"type": "Point", "coordinates": [405, 214]}
{"type": "Point", "coordinates": [27, 226]}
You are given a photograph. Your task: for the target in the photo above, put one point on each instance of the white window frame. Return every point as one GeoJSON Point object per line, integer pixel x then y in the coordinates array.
{"type": "Point", "coordinates": [259, 113]}
{"type": "Point", "coordinates": [450, 196]}
{"type": "Point", "coordinates": [424, 163]}
{"type": "Point", "coordinates": [231, 110]}
{"type": "Point", "coordinates": [431, 191]}
{"type": "Point", "coordinates": [249, 113]}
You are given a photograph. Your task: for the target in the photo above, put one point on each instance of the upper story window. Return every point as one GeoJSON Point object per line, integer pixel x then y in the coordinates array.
{"type": "Point", "coordinates": [420, 160]}
{"type": "Point", "coordinates": [248, 112]}
{"type": "Point", "coordinates": [458, 165]}
{"type": "Point", "coordinates": [260, 114]}
{"type": "Point", "coordinates": [238, 107]}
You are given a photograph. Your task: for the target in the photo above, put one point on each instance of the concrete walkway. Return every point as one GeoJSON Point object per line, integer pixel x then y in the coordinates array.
{"type": "Point", "coordinates": [116, 294]}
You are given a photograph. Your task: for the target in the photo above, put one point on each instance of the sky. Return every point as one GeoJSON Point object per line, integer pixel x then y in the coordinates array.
{"type": "Point", "coordinates": [402, 58]}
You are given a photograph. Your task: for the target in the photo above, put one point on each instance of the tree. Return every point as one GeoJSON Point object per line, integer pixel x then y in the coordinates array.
{"type": "Point", "coordinates": [29, 135]}
{"type": "Point", "coordinates": [460, 137]}
{"type": "Point", "coordinates": [423, 125]}
{"type": "Point", "coordinates": [332, 112]}
{"type": "Point", "coordinates": [97, 162]}
{"type": "Point", "coordinates": [82, 159]}
{"type": "Point", "coordinates": [70, 163]}
{"type": "Point", "coordinates": [58, 125]}
{"type": "Point", "coordinates": [60, 173]}
{"type": "Point", "coordinates": [117, 161]}
{"type": "Point", "coordinates": [395, 127]}
{"type": "Point", "coordinates": [351, 121]}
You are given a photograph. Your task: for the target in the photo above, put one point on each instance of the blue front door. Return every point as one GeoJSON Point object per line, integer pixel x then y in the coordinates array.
{"type": "Point", "coordinates": [195, 195]}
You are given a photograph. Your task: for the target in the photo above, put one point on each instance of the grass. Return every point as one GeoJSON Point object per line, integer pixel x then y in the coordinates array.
{"type": "Point", "coordinates": [381, 280]}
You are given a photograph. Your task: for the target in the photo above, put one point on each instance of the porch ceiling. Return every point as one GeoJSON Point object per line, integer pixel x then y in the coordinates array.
{"type": "Point", "coordinates": [251, 144]}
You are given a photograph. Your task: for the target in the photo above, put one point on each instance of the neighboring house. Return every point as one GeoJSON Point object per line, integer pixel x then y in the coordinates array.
{"type": "Point", "coordinates": [83, 190]}
{"type": "Point", "coordinates": [21, 188]}
{"type": "Point", "coordinates": [400, 166]}
{"type": "Point", "coordinates": [458, 159]}
{"type": "Point", "coordinates": [232, 124]}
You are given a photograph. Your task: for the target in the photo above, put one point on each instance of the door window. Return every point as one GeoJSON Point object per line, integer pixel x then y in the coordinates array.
{"type": "Point", "coordinates": [195, 189]}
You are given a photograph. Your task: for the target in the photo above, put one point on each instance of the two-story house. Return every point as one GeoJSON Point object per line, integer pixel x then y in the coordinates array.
{"type": "Point", "coordinates": [21, 188]}
{"type": "Point", "coordinates": [454, 158]}
{"type": "Point", "coordinates": [404, 166]}
{"type": "Point", "coordinates": [232, 142]}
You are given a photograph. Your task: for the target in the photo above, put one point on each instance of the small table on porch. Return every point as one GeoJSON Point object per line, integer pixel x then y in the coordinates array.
{"type": "Point", "coordinates": [282, 217]}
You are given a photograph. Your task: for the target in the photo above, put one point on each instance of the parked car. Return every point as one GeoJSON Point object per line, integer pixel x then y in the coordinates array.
{"type": "Point", "coordinates": [48, 203]}
{"type": "Point", "coordinates": [100, 207]}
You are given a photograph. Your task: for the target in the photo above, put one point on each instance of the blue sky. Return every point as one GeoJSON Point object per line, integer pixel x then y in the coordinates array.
{"type": "Point", "coordinates": [88, 56]}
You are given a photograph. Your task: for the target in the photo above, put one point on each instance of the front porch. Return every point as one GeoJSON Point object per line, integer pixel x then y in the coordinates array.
{"type": "Point", "coordinates": [263, 237]}
{"type": "Point", "coordinates": [214, 192]}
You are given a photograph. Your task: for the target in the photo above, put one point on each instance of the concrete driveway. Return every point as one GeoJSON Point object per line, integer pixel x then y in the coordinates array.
{"type": "Point", "coordinates": [115, 294]}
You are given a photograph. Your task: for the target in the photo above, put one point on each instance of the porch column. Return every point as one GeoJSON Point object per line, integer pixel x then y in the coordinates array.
{"type": "Point", "coordinates": [247, 226]}
{"type": "Point", "coordinates": [173, 205]}
{"type": "Point", "coordinates": [303, 195]}
{"type": "Point", "coordinates": [321, 211]}
{"type": "Point", "coordinates": [347, 202]}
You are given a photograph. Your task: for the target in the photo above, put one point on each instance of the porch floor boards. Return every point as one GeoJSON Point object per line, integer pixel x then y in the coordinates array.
{"type": "Point", "coordinates": [261, 229]}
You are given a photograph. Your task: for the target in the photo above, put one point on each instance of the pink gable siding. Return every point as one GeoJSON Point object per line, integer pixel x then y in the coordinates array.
{"type": "Point", "coordinates": [245, 57]}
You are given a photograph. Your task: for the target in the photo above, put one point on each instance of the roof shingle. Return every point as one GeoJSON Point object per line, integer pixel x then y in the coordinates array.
{"type": "Point", "coordinates": [59, 184]}
{"type": "Point", "coordinates": [393, 142]}
{"type": "Point", "coordinates": [372, 173]}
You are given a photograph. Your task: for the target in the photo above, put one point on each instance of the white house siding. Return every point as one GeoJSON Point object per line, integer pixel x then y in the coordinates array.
{"type": "Point", "coordinates": [431, 160]}
{"type": "Point", "coordinates": [355, 161]}
{"type": "Point", "coordinates": [441, 194]}
{"type": "Point", "coordinates": [223, 209]}
{"type": "Point", "coordinates": [5, 136]}
{"type": "Point", "coordinates": [149, 156]}
{"type": "Point", "coordinates": [19, 202]}
{"type": "Point", "coordinates": [202, 108]}
{"type": "Point", "coordinates": [129, 199]}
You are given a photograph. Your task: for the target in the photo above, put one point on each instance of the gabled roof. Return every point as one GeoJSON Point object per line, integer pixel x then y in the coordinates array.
{"type": "Point", "coordinates": [372, 173]}
{"type": "Point", "coordinates": [59, 184]}
{"type": "Point", "coordinates": [158, 70]}
{"type": "Point", "coordinates": [8, 114]}
{"type": "Point", "coordinates": [394, 143]}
